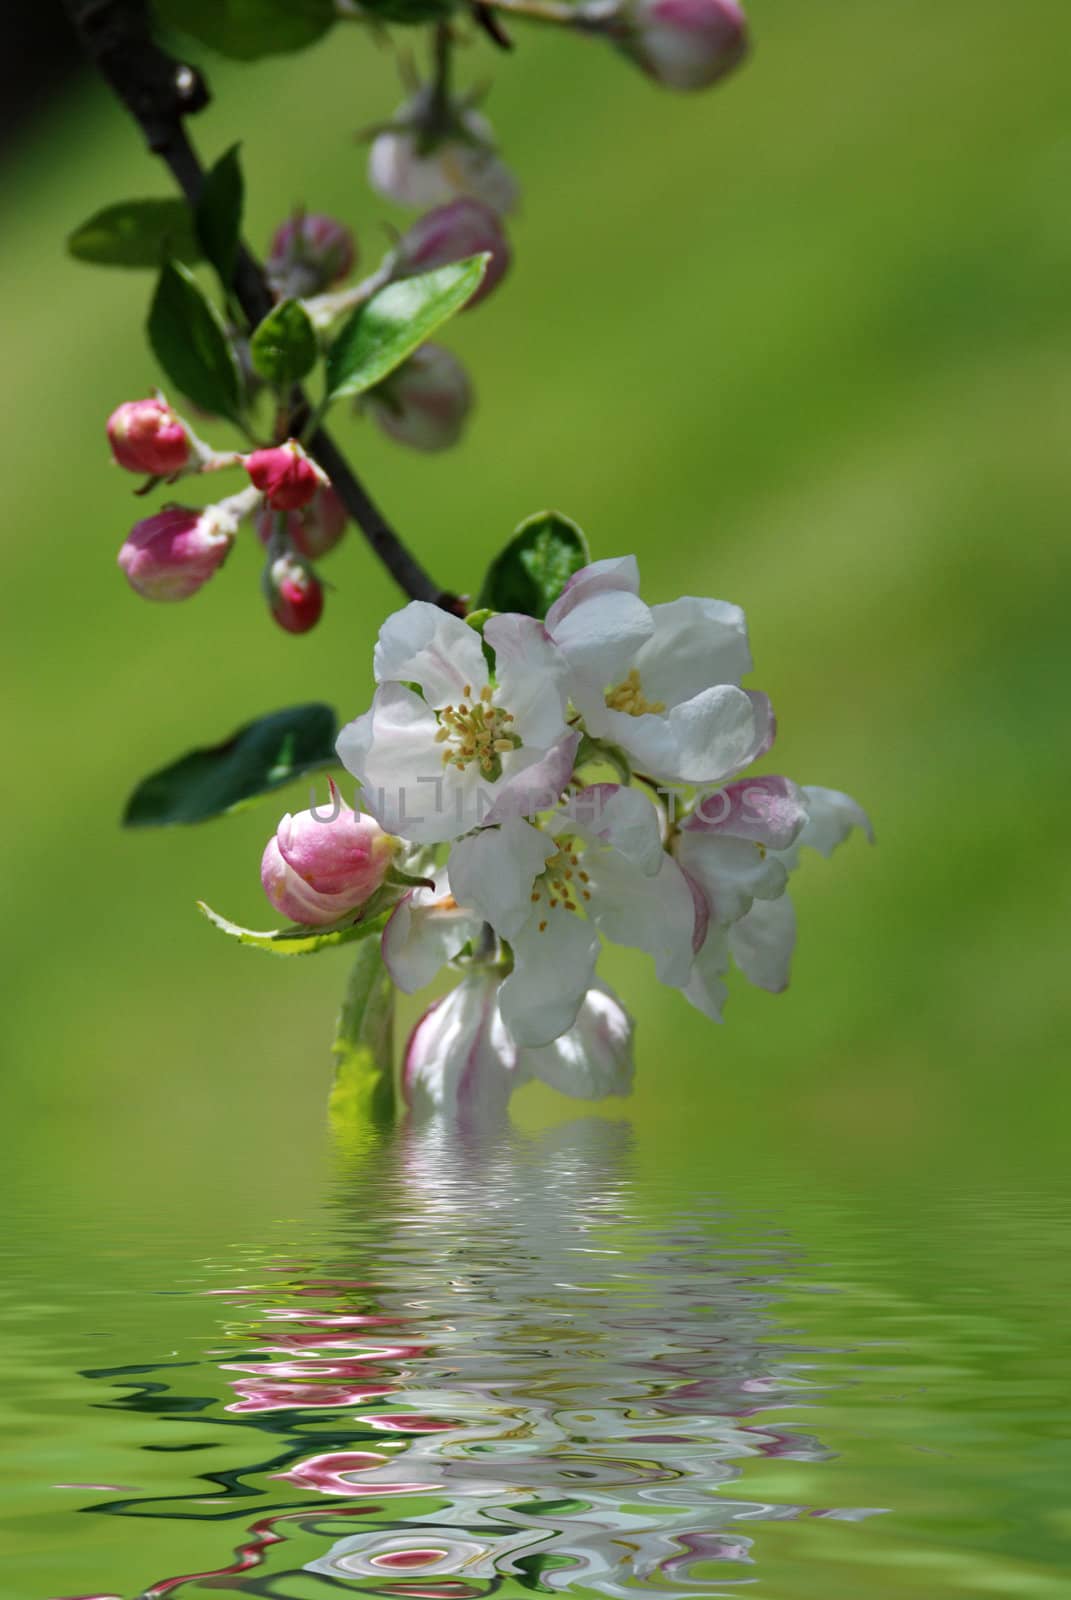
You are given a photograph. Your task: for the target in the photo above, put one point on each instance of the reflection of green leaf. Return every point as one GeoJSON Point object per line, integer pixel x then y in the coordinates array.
{"type": "Point", "coordinates": [190, 342]}
{"type": "Point", "coordinates": [284, 347]}
{"type": "Point", "coordinates": [219, 213]}
{"type": "Point", "coordinates": [535, 566]}
{"type": "Point", "coordinates": [136, 233]}
{"type": "Point", "coordinates": [296, 940]}
{"type": "Point", "coordinates": [257, 758]}
{"type": "Point", "coordinates": [249, 28]}
{"type": "Point", "coordinates": [386, 329]}
{"type": "Point", "coordinates": [363, 1091]}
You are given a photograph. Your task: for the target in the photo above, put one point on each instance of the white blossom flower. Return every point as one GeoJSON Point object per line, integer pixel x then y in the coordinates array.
{"type": "Point", "coordinates": [661, 682]}
{"type": "Point", "coordinates": [443, 748]}
{"type": "Point", "coordinates": [461, 1058]}
{"type": "Point", "coordinates": [738, 849]}
{"type": "Point", "coordinates": [465, 164]}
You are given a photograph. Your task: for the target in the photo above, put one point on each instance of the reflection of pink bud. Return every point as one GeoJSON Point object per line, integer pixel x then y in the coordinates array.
{"type": "Point", "coordinates": [169, 556]}
{"type": "Point", "coordinates": [314, 530]}
{"type": "Point", "coordinates": [424, 402]}
{"type": "Point", "coordinates": [146, 436]}
{"type": "Point", "coordinates": [295, 594]}
{"type": "Point", "coordinates": [465, 227]}
{"type": "Point", "coordinates": [332, 1473]}
{"type": "Point", "coordinates": [308, 254]}
{"type": "Point", "coordinates": [314, 870]}
{"type": "Point", "coordinates": [685, 44]}
{"type": "Point", "coordinates": [285, 474]}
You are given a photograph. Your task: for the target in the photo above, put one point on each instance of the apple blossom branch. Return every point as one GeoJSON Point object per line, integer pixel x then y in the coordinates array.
{"type": "Point", "coordinates": [159, 93]}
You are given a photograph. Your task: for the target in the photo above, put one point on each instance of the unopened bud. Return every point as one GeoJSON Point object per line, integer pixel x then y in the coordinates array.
{"type": "Point", "coordinates": [425, 402]}
{"type": "Point", "coordinates": [463, 228]}
{"type": "Point", "coordinates": [308, 254]}
{"type": "Point", "coordinates": [314, 530]}
{"type": "Point", "coordinates": [146, 436]}
{"type": "Point", "coordinates": [286, 475]}
{"type": "Point", "coordinates": [169, 556]}
{"type": "Point", "coordinates": [295, 594]}
{"type": "Point", "coordinates": [684, 44]}
{"type": "Point", "coordinates": [461, 161]}
{"type": "Point", "coordinates": [319, 865]}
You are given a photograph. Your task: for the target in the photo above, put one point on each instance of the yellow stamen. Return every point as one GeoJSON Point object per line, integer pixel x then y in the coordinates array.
{"type": "Point", "coordinates": [629, 697]}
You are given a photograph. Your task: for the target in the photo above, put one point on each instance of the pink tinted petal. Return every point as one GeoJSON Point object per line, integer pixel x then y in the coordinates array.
{"type": "Point", "coordinates": [536, 786]}
{"type": "Point", "coordinates": [625, 819]}
{"type": "Point", "coordinates": [767, 810]}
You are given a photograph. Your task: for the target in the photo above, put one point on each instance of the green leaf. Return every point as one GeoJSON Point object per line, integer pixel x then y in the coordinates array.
{"type": "Point", "coordinates": [535, 566]}
{"type": "Point", "coordinates": [219, 213]}
{"type": "Point", "coordinates": [395, 322]}
{"type": "Point", "coordinates": [363, 1091]}
{"type": "Point", "coordinates": [137, 233]}
{"type": "Point", "coordinates": [409, 13]}
{"type": "Point", "coordinates": [597, 752]}
{"type": "Point", "coordinates": [256, 759]}
{"type": "Point", "coordinates": [250, 28]}
{"type": "Point", "coordinates": [297, 940]}
{"type": "Point", "coordinates": [191, 344]}
{"type": "Point", "coordinates": [284, 348]}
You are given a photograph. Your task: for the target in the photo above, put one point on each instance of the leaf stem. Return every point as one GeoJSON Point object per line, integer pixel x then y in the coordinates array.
{"type": "Point", "coordinates": [159, 93]}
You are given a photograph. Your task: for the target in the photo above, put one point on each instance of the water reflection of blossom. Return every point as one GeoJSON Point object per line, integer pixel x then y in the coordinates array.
{"type": "Point", "coordinates": [520, 1380]}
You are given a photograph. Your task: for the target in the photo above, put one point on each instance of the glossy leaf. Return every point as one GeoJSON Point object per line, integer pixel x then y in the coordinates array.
{"type": "Point", "coordinates": [296, 940]}
{"type": "Point", "coordinates": [137, 233]}
{"type": "Point", "coordinates": [189, 341]}
{"type": "Point", "coordinates": [393, 323]}
{"type": "Point", "coordinates": [219, 213]}
{"type": "Point", "coordinates": [535, 566]}
{"type": "Point", "coordinates": [363, 1090]}
{"type": "Point", "coordinates": [258, 758]}
{"type": "Point", "coordinates": [250, 28]}
{"type": "Point", "coordinates": [284, 347]}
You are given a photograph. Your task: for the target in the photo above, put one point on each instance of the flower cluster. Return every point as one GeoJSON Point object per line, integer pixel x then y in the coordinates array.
{"type": "Point", "coordinates": [485, 755]}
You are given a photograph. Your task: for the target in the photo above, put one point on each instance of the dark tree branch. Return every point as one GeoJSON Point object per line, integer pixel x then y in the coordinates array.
{"type": "Point", "coordinates": [159, 92]}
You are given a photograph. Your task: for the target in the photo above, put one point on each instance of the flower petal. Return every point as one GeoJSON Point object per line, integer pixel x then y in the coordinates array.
{"type": "Point", "coordinates": [655, 914]}
{"type": "Point", "coordinates": [831, 817]}
{"type": "Point", "coordinates": [624, 819]}
{"type": "Point", "coordinates": [714, 734]}
{"type": "Point", "coordinates": [600, 635]}
{"type": "Point", "coordinates": [493, 871]}
{"type": "Point", "coordinates": [762, 943]}
{"type": "Point", "coordinates": [695, 645]}
{"type": "Point", "coordinates": [459, 1058]}
{"type": "Point", "coordinates": [705, 988]}
{"type": "Point", "coordinates": [730, 872]}
{"type": "Point", "coordinates": [532, 677]}
{"type": "Point", "coordinates": [553, 972]}
{"type": "Point", "coordinates": [426, 929]}
{"type": "Point", "coordinates": [598, 577]}
{"type": "Point", "coordinates": [424, 644]}
{"type": "Point", "coordinates": [594, 1058]}
{"type": "Point", "coordinates": [532, 781]}
{"type": "Point", "coordinates": [767, 810]}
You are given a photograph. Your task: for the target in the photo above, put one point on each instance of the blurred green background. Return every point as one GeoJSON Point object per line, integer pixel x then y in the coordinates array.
{"type": "Point", "coordinates": [803, 343]}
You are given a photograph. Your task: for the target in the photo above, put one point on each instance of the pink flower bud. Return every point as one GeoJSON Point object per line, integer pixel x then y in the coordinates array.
{"type": "Point", "coordinates": [295, 594]}
{"type": "Point", "coordinates": [450, 233]}
{"type": "Point", "coordinates": [308, 254]}
{"type": "Point", "coordinates": [169, 556]}
{"type": "Point", "coordinates": [285, 474]}
{"type": "Point", "coordinates": [685, 44]}
{"type": "Point", "coordinates": [425, 402]}
{"type": "Point", "coordinates": [146, 436]}
{"type": "Point", "coordinates": [319, 865]}
{"type": "Point", "coordinates": [402, 168]}
{"type": "Point", "coordinates": [314, 530]}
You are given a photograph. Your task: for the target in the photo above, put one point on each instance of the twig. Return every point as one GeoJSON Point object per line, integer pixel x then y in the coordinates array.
{"type": "Point", "coordinates": [159, 92]}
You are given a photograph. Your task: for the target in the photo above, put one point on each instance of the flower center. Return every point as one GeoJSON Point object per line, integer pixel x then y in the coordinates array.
{"type": "Point", "coordinates": [562, 883]}
{"type": "Point", "coordinates": [630, 698]}
{"type": "Point", "coordinates": [479, 733]}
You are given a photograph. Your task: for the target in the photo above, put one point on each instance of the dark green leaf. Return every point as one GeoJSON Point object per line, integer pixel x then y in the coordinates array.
{"type": "Point", "coordinates": [256, 759]}
{"type": "Point", "coordinates": [250, 28]}
{"type": "Point", "coordinates": [297, 940]}
{"type": "Point", "coordinates": [408, 12]}
{"type": "Point", "coordinates": [137, 233]}
{"type": "Point", "coordinates": [395, 322]}
{"type": "Point", "coordinates": [219, 213]}
{"type": "Point", "coordinates": [364, 1048]}
{"type": "Point", "coordinates": [284, 347]}
{"type": "Point", "coordinates": [191, 344]}
{"type": "Point", "coordinates": [535, 566]}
